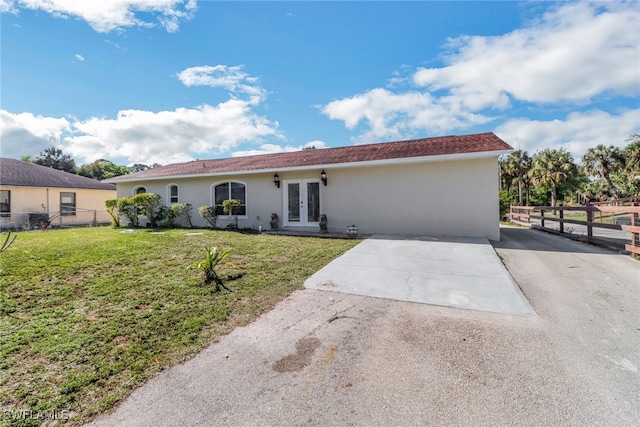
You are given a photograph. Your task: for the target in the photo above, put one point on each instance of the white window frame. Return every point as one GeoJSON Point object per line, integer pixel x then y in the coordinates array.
{"type": "Point", "coordinates": [135, 189]}
{"type": "Point", "coordinates": [171, 202]}
{"type": "Point", "coordinates": [65, 208]}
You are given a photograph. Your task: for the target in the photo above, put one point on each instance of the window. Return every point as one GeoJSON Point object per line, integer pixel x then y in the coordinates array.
{"type": "Point", "coordinates": [173, 193]}
{"type": "Point", "coordinates": [231, 190]}
{"type": "Point", "coordinates": [67, 204]}
{"type": "Point", "coordinates": [5, 203]}
{"type": "Point", "coordinates": [140, 190]}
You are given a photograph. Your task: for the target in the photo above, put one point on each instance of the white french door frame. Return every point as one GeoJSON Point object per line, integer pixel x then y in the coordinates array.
{"type": "Point", "coordinates": [302, 202]}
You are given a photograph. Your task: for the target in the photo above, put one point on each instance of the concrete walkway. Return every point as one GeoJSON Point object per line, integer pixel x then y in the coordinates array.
{"type": "Point", "coordinates": [454, 272]}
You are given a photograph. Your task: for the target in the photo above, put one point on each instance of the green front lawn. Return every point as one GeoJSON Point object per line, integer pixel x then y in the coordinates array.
{"type": "Point", "coordinates": [87, 315]}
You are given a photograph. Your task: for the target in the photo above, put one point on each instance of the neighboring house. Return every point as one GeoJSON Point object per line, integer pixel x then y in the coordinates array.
{"type": "Point", "coordinates": [32, 196]}
{"type": "Point", "coordinates": [434, 186]}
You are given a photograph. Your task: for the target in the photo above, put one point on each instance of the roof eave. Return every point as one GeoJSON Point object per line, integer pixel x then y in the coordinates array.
{"type": "Point", "coordinates": [383, 162]}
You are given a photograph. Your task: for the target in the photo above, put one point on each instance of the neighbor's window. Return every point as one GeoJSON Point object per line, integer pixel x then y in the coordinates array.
{"type": "Point", "coordinates": [173, 194]}
{"type": "Point", "coordinates": [140, 190]}
{"type": "Point", "coordinates": [231, 190]}
{"type": "Point", "coordinates": [67, 204]}
{"type": "Point", "coordinates": [5, 203]}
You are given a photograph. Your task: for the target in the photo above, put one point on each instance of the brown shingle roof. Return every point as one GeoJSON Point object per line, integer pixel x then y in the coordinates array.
{"type": "Point", "coordinates": [446, 145]}
{"type": "Point", "coordinates": [25, 174]}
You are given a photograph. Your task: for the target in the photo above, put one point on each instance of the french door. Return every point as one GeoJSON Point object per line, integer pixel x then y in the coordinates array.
{"type": "Point", "coordinates": [302, 202]}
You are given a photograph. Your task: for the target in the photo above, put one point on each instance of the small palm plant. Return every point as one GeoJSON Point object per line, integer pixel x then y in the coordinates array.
{"type": "Point", "coordinates": [208, 267]}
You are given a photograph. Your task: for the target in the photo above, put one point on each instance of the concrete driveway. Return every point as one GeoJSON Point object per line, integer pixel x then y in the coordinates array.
{"type": "Point", "coordinates": [323, 358]}
{"type": "Point", "coordinates": [462, 272]}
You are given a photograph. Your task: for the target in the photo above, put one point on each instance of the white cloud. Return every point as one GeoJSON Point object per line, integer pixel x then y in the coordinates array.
{"type": "Point", "coordinates": [79, 57]}
{"type": "Point", "coordinates": [392, 116]}
{"type": "Point", "coordinates": [577, 133]}
{"type": "Point", "coordinates": [108, 15]}
{"type": "Point", "coordinates": [7, 6]}
{"type": "Point", "coordinates": [168, 136]}
{"type": "Point", "coordinates": [576, 52]}
{"type": "Point", "coordinates": [25, 134]}
{"type": "Point", "coordinates": [273, 148]}
{"type": "Point", "coordinates": [140, 136]}
{"type": "Point", "coordinates": [232, 79]}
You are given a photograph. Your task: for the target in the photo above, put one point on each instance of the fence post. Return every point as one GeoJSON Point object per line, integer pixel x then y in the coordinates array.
{"type": "Point", "coordinates": [589, 221]}
{"type": "Point", "coordinates": [635, 237]}
{"type": "Point", "coordinates": [561, 221]}
{"type": "Point", "coordinates": [542, 217]}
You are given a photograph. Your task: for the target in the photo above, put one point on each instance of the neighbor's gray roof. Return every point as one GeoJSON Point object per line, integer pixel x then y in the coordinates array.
{"type": "Point", "coordinates": [25, 174]}
{"type": "Point", "coordinates": [446, 145]}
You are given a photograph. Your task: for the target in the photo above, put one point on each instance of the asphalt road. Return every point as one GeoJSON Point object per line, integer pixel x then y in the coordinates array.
{"type": "Point", "coordinates": [324, 358]}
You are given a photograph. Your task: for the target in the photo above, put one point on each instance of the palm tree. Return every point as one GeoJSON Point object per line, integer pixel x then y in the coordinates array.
{"type": "Point", "coordinates": [553, 167]}
{"type": "Point", "coordinates": [517, 165]}
{"type": "Point", "coordinates": [602, 161]}
{"type": "Point", "coordinates": [631, 156]}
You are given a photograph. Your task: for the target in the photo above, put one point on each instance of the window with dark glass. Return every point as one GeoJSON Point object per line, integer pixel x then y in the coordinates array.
{"type": "Point", "coordinates": [67, 204]}
{"type": "Point", "coordinates": [141, 190]}
{"type": "Point", "coordinates": [5, 203]}
{"type": "Point", "coordinates": [173, 194]}
{"type": "Point", "coordinates": [231, 190]}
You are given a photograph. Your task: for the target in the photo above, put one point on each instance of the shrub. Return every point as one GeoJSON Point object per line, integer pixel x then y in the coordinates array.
{"type": "Point", "coordinates": [210, 214]}
{"type": "Point", "coordinates": [112, 209]}
{"type": "Point", "coordinates": [505, 203]}
{"type": "Point", "coordinates": [127, 208]}
{"type": "Point", "coordinates": [232, 207]}
{"type": "Point", "coordinates": [148, 204]}
{"type": "Point", "coordinates": [182, 209]}
{"type": "Point", "coordinates": [164, 216]}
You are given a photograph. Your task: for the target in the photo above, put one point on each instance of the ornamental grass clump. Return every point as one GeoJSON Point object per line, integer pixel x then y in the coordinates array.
{"type": "Point", "coordinates": [208, 267]}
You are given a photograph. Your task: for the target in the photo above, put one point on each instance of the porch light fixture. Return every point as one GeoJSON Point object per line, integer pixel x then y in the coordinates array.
{"type": "Point", "coordinates": [276, 180]}
{"type": "Point", "coordinates": [323, 177]}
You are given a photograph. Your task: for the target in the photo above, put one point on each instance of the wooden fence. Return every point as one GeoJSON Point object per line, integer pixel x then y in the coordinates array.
{"type": "Point", "coordinates": [617, 226]}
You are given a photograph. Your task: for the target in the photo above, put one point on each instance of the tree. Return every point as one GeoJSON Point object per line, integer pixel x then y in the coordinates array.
{"type": "Point", "coordinates": [54, 158]}
{"type": "Point", "coordinates": [631, 156]}
{"type": "Point", "coordinates": [139, 167]}
{"type": "Point", "coordinates": [102, 169]}
{"type": "Point", "coordinates": [601, 162]}
{"type": "Point", "coordinates": [552, 168]}
{"type": "Point", "coordinates": [517, 165]}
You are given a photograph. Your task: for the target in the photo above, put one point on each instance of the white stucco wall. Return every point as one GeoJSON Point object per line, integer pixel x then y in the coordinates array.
{"type": "Point", "coordinates": [444, 198]}
{"type": "Point", "coordinates": [453, 198]}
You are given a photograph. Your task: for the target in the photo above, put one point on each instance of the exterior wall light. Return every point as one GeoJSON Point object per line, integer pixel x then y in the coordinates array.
{"type": "Point", "coordinates": [323, 177]}
{"type": "Point", "coordinates": [276, 180]}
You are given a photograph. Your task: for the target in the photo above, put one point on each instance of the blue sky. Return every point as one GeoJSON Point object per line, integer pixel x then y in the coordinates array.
{"type": "Point", "coordinates": [140, 81]}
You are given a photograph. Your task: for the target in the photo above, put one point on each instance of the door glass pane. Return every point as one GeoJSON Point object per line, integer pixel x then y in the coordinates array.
{"type": "Point", "coordinates": [313, 202]}
{"type": "Point", "coordinates": [293, 189]}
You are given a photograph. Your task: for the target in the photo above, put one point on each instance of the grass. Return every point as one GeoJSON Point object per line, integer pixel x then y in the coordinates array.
{"type": "Point", "coordinates": [88, 315]}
